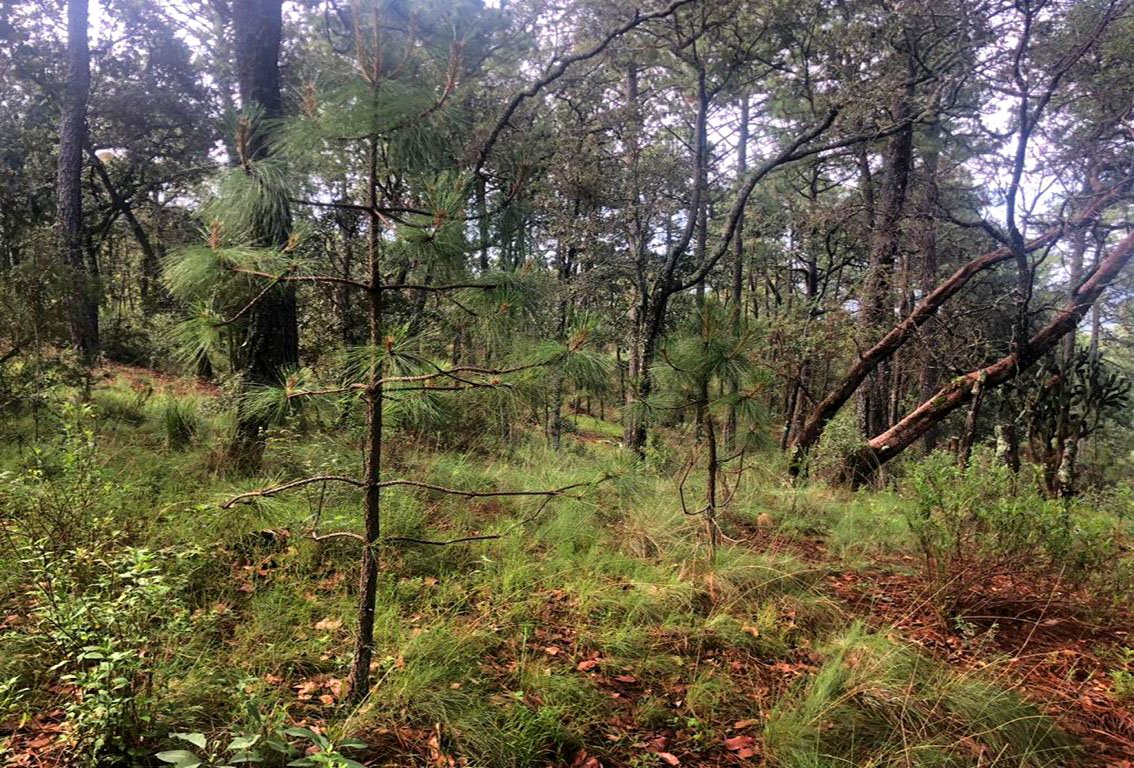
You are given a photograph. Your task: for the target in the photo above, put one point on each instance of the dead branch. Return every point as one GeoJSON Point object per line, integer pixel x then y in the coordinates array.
{"type": "Point", "coordinates": [247, 496]}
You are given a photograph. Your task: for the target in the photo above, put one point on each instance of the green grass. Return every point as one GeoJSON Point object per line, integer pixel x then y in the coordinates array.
{"type": "Point", "coordinates": [591, 425]}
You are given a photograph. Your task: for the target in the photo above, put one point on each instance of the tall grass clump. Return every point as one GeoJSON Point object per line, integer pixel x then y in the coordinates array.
{"type": "Point", "coordinates": [180, 423]}
{"type": "Point", "coordinates": [874, 702]}
{"type": "Point", "coordinates": [122, 405]}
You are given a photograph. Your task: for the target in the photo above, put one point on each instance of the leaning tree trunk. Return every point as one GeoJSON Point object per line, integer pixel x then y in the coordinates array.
{"type": "Point", "coordinates": [926, 309]}
{"type": "Point", "coordinates": [271, 335]}
{"type": "Point", "coordinates": [69, 191]}
{"type": "Point", "coordinates": [860, 466]}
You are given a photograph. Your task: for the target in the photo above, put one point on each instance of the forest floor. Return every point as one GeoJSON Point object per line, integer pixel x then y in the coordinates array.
{"type": "Point", "coordinates": [593, 632]}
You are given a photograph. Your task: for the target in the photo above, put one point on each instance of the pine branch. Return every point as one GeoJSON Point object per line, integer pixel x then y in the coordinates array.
{"type": "Point", "coordinates": [255, 299]}
{"type": "Point", "coordinates": [450, 372]}
{"type": "Point", "coordinates": [289, 278]}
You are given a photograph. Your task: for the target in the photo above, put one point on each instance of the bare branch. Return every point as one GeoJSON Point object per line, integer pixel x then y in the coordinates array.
{"type": "Point", "coordinates": [336, 535]}
{"type": "Point", "coordinates": [244, 498]}
{"type": "Point", "coordinates": [557, 71]}
{"type": "Point", "coordinates": [487, 494]}
{"type": "Point", "coordinates": [255, 300]}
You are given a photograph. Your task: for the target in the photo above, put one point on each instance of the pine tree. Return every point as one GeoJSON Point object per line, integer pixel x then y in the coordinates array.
{"type": "Point", "coordinates": [709, 371]}
{"type": "Point", "coordinates": [387, 121]}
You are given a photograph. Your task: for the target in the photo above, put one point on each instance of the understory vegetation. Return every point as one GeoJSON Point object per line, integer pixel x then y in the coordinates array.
{"type": "Point", "coordinates": [146, 623]}
{"type": "Point", "coordinates": [517, 383]}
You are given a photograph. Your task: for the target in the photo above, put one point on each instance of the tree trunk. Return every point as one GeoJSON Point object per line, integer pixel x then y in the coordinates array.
{"type": "Point", "coordinates": [359, 680]}
{"type": "Point", "coordinates": [1008, 447]}
{"type": "Point", "coordinates": [878, 293]}
{"type": "Point", "coordinates": [1066, 427]}
{"type": "Point", "coordinates": [1065, 477]}
{"type": "Point", "coordinates": [271, 335]}
{"type": "Point", "coordinates": [736, 297]}
{"type": "Point", "coordinates": [969, 437]}
{"type": "Point", "coordinates": [69, 190]}
{"type": "Point", "coordinates": [712, 530]}
{"type": "Point", "coordinates": [654, 295]}
{"type": "Point", "coordinates": [929, 374]}
{"type": "Point", "coordinates": [482, 222]}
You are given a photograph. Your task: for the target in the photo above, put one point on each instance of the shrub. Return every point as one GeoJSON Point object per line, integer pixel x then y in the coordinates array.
{"type": "Point", "coordinates": [100, 621]}
{"type": "Point", "coordinates": [977, 524]}
{"type": "Point", "coordinates": [58, 497]}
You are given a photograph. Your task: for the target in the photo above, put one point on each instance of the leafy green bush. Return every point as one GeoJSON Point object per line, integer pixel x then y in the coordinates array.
{"type": "Point", "coordinates": [103, 620]}
{"type": "Point", "coordinates": [315, 749]}
{"type": "Point", "coordinates": [58, 496]}
{"type": "Point", "coordinates": [975, 524]}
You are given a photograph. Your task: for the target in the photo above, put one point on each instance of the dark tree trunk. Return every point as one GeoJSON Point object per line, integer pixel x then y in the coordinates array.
{"type": "Point", "coordinates": [271, 335]}
{"type": "Point", "coordinates": [568, 253]}
{"type": "Point", "coordinates": [359, 681]}
{"type": "Point", "coordinates": [712, 529]}
{"type": "Point", "coordinates": [1008, 447]}
{"type": "Point", "coordinates": [69, 189]}
{"type": "Point", "coordinates": [482, 222]}
{"type": "Point", "coordinates": [878, 293]}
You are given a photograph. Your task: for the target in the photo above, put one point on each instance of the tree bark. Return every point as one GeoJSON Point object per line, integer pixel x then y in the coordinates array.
{"type": "Point", "coordinates": [968, 439]}
{"type": "Point", "coordinates": [69, 190]}
{"type": "Point", "coordinates": [1008, 447]}
{"type": "Point", "coordinates": [712, 528]}
{"type": "Point", "coordinates": [359, 680]}
{"type": "Point", "coordinates": [929, 374]}
{"type": "Point", "coordinates": [878, 294]}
